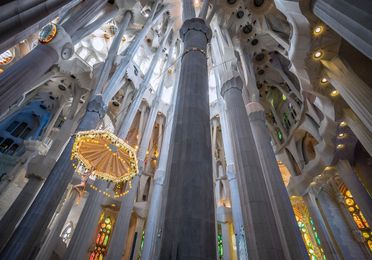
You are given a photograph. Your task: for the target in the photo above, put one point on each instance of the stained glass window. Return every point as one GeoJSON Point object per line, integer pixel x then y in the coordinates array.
{"type": "Point", "coordinates": [357, 215]}
{"type": "Point", "coordinates": [102, 239]}
{"type": "Point", "coordinates": [219, 242]}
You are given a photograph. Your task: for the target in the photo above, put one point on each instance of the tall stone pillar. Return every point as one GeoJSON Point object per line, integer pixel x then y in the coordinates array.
{"type": "Point", "coordinates": [326, 241]}
{"type": "Point", "coordinates": [281, 205]}
{"type": "Point", "coordinates": [346, 241]}
{"type": "Point", "coordinates": [86, 227]}
{"type": "Point", "coordinates": [360, 194]}
{"type": "Point", "coordinates": [262, 234]}
{"type": "Point", "coordinates": [189, 221]}
{"type": "Point", "coordinates": [359, 129]}
{"type": "Point", "coordinates": [14, 84]}
{"type": "Point", "coordinates": [349, 20]}
{"type": "Point", "coordinates": [49, 245]}
{"type": "Point", "coordinates": [356, 93]}
{"type": "Point", "coordinates": [32, 227]}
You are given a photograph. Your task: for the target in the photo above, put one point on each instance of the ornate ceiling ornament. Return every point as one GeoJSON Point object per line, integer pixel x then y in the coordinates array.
{"type": "Point", "coordinates": [48, 33]}
{"type": "Point", "coordinates": [105, 156]}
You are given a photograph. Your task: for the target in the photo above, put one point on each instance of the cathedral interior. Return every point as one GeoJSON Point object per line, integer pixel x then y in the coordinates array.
{"type": "Point", "coordinates": [185, 129]}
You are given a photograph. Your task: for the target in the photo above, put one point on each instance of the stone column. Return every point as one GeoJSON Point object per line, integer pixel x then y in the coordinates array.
{"type": "Point", "coordinates": [119, 235]}
{"type": "Point", "coordinates": [139, 230]}
{"type": "Point", "coordinates": [356, 93]}
{"type": "Point", "coordinates": [54, 234]}
{"type": "Point", "coordinates": [18, 20]}
{"type": "Point", "coordinates": [326, 241]}
{"type": "Point", "coordinates": [190, 221]}
{"type": "Point", "coordinates": [86, 227]}
{"type": "Point", "coordinates": [263, 237]}
{"type": "Point", "coordinates": [361, 196]}
{"type": "Point", "coordinates": [349, 20]}
{"type": "Point", "coordinates": [153, 216]}
{"type": "Point", "coordinates": [359, 129]}
{"type": "Point", "coordinates": [18, 208]}
{"type": "Point", "coordinates": [349, 247]}
{"type": "Point", "coordinates": [35, 222]}
{"type": "Point", "coordinates": [226, 241]}
{"type": "Point", "coordinates": [281, 205]}
{"type": "Point", "coordinates": [14, 84]}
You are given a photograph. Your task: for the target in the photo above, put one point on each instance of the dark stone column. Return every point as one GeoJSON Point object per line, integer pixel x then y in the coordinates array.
{"type": "Point", "coordinates": [189, 229]}
{"type": "Point", "coordinates": [285, 218]}
{"type": "Point", "coordinates": [350, 19]}
{"type": "Point", "coordinates": [34, 224]}
{"type": "Point", "coordinates": [262, 234]}
{"type": "Point", "coordinates": [18, 208]}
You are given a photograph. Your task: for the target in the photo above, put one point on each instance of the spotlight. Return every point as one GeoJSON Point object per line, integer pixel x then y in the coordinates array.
{"type": "Point", "coordinates": [324, 80]}
{"type": "Point", "coordinates": [318, 54]}
{"type": "Point", "coordinates": [340, 146]}
{"type": "Point", "coordinates": [318, 30]}
{"type": "Point", "coordinates": [334, 93]}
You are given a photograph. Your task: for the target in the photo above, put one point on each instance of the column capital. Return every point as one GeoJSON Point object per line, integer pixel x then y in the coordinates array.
{"type": "Point", "coordinates": [235, 82]}
{"type": "Point", "coordinates": [55, 36]}
{"type": "Point", "coordinates": [97, 105]}
{"type": "Point", "coordinates": [195, 24]}
{"type": "Point", "coordinates": [255, 111]}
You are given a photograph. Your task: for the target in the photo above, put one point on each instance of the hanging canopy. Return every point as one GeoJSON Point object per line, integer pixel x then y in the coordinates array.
{"type": "Point", "coordinates": [104, 155]}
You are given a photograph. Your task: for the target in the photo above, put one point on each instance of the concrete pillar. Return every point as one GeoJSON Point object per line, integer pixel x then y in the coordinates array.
{"type": "Point", "coordinates": [349, 247]}
{"type": "Point", "coordinates": [83, 235]}
{"type": "Point", "coordinates": [190, 221]}
{"type": "Point", "coordinates": [360, 194]}
{"type": "Point", "coordinates": [262, 234]}
{"type": "Point", "coordinates": [330, 248]}
{"type": "Point", "coordinates": [32, 227]}
{"type": "Point", "coordinates": [349, 19]}
{"type": "Point", "coordinates": [356, 93]}
{"type": "Point", "coordinates": [188, 10]}
{"type": "Point", "coordinates": [290, 235]}
{"type": "Point", "coordinates": [49, 244]}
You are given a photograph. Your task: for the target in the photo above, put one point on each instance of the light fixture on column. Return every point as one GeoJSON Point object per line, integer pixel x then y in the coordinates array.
{"type": "Point", "coordinates": [105, 156]}
{"type": "Point", "coordinates": [343, 124]}
{"type": "Point", "coordinates": [334, 93]}
{"type": "Point", "coordinates": [318, 30]}
{"type": "Point", "coordinates": [341, 135]}
{"type": "Point", "coordinates": [324, 80]}
{"type": "Point", "coordinates": [318, 54]}
{"type": "Point", "coordinates": [340, 146]}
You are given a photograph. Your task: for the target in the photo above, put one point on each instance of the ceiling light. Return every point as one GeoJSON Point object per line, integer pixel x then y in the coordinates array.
{"type": "Point", "coordinates": [318, 30]}
{"type": "Point", "coordinates": [343, 124]}
{"type": "Point", "coordinates": [334, 93]}
{"type": "Point", "coordinates": [324, 80]}
{"type": "Point", "coordinates": [341, 135]}
{"type": "Point", "coordinates": [340, 146]}
{"type": "Point", "coordinates": [318, 54]}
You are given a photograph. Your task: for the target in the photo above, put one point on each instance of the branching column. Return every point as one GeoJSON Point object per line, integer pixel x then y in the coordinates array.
{"type": "Point", "coordinates": [262, 234]}
{"type": "Point", "coordinates": [285, 219]}
{"type": "Point", "coordinates": [189, 226]}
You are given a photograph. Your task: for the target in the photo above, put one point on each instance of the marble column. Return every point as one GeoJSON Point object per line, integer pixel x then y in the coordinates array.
{"type": "Point", "coordinates": [281, 205]}
{"type": "Point", "coordinates": [349, 247]}
{"type": "Point", "coordinates": [84, 232]}
{"type": "Point", "coordinates": [262, 234]}
{"type": "Point", "coordinates": [356, 93]}
{"type": "Point", "coordinates": [330, 248]}
{"type": "Point", "coordinates": [360, 194]}
{"type": "Point", "coordinates": [32, 227]}
{"type": "Point", "coordinates": [54, 234]}
{"type": "Point", "coordinates": [190, 221]}
{"type": "Point", "coordinates": [349, 19]}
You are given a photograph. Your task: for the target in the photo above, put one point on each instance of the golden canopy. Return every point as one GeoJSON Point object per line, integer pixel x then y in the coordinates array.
{"type": "Point", "coordinates": [105, 156]}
